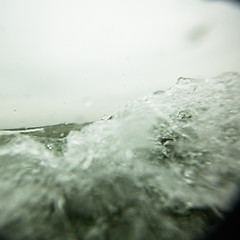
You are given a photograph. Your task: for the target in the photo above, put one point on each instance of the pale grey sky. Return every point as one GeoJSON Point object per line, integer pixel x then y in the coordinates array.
{"type": "Point", "coordinates": [76, 60]}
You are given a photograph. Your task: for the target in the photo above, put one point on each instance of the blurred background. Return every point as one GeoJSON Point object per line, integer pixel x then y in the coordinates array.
{"type": "Point", "coordinates": [76, 60]}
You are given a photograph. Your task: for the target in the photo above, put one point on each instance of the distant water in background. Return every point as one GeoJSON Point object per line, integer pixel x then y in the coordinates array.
{"type": "Point", "coordinates": [163, 167]}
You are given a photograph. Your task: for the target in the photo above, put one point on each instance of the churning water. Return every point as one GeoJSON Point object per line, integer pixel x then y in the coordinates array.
{"type": "Point", "coordinates": [164, 167]}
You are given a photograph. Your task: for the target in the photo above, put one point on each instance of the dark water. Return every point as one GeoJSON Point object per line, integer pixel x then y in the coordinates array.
{"type": "Point", "coordinates": [164, 167]}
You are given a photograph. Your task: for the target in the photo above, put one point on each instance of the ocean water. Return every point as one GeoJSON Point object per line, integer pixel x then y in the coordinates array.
{"type": "Point", "coordinates": [163, 167]}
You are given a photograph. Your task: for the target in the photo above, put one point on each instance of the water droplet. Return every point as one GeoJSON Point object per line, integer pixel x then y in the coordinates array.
{"type": "Point", "coordinates": [87, 102]}
{"type": "Point", "coordinates": [49, 146]}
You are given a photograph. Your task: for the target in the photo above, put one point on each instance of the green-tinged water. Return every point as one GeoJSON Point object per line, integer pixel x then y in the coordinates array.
{"type": "Point", "coordinates": [52, 137]}
{"type": "Point", "coordinates": [164, 167]}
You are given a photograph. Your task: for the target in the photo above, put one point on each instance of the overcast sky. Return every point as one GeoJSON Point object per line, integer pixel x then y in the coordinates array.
{"type": "Point", "coordinates": [76, 60]}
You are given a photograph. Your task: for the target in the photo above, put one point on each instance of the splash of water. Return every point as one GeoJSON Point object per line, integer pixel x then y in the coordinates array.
{"type": "Point", "coordinates": [163, 167]}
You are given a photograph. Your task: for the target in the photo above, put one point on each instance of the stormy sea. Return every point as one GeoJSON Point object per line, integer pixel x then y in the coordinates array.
{"type": "Point", "coordinates": [163, 167]}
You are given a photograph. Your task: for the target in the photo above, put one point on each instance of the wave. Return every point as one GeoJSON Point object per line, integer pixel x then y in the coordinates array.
{"type": "Point", "coordinates": [165, 166]}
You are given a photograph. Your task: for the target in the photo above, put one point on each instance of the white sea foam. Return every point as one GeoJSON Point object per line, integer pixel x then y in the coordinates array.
{"type": "Point", "coordinates": [164, 167]}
